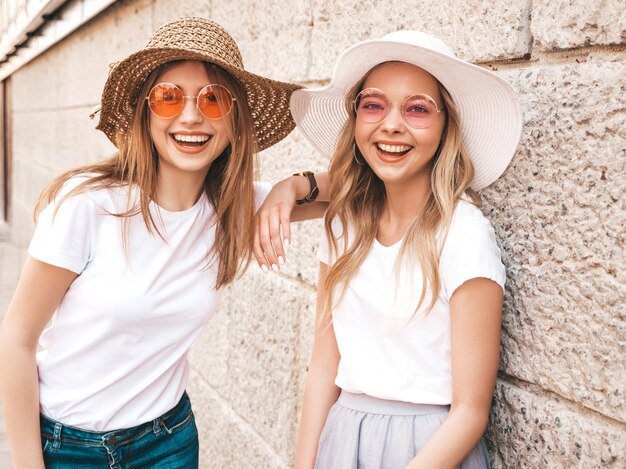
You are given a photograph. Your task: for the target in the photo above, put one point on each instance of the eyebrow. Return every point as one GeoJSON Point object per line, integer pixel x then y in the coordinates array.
{"type": "Point", "coordinates": [181, 87]}
{"type": "Point", "coordinates": [379, 91]}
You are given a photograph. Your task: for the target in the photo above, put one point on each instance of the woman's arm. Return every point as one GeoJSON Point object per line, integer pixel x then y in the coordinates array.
{"type": "Point", "coordinates": [320, 392]}
{"type": "Point", "coordinates": [39, 291]}
{"type": "Point", "coordinates": [279, 209]}
{"type": "Point", "coordinates": [476, 313]}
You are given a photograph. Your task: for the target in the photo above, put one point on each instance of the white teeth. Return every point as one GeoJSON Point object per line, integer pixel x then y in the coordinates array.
{"type": "Point", "coordinates": [191, 138]}
{"type": "Point", "coordinates": [393, 148]}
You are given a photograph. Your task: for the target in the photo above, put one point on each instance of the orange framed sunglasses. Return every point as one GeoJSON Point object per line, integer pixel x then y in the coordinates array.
{"type": "Point", "coordinates": [167, 100]}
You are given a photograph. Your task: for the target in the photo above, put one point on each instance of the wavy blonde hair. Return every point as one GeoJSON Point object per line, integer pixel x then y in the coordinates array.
{"type": "Point", "coordinates": [228, 184]}
{"type": "Point", "coordinates": [358, 196]}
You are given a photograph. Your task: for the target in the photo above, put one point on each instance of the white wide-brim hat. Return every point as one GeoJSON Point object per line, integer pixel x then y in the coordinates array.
{"type": "Point", "coordinates": [490, 115]}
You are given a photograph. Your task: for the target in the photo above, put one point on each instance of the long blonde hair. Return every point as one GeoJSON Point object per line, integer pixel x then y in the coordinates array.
{"type": "Point", "coordinates": [228, 184]}
{"type": "Point", "coordinates": [357, 197]}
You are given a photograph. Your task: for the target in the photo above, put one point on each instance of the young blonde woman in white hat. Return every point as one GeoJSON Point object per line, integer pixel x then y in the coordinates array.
{"type": "Point", "coordinates": [129, 254]}
{"type": "Point", "coordinates": [411, 283]}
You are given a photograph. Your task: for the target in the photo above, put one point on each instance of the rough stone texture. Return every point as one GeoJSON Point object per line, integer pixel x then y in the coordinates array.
{"type": "Point", "coordinates": [565, 24]}
{"type": "Point", "coordinates": [558, 212]}
{"type": "Point", "coordinates": [476, 31]}
{"type": "Point", "coordinates": [273, 35]}
{"type": "Point", "coordinates": [250, 354]}
{"type": "Point", "coordinates": [227, 440]}
{"type": "Point", "coordinates": [559, 216]}
{"type": "Point", "coordinates": [531, 430]}
{"type": "Point", "coordinates": [162, 12]}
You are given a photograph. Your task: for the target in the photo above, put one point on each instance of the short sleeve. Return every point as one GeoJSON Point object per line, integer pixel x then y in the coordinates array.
{"type": "Point", "coordinates": [323, 253]}
{"type": "Point", "coordinates": [470, 250]}
{"type": "Point", "coordinates": [261, 189]}
{"type": "Point", "coordinates": [64, 239]}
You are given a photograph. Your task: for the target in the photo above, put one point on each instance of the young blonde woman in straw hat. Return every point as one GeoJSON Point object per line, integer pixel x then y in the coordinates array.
{"type": "Point", "coordinates": [129, 254]}
{"type": "Point", "coordinates": [411, 283]}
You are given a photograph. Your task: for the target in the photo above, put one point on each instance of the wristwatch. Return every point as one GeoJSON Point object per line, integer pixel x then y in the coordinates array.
{"type": "Point", "coordinates": [314, 190]}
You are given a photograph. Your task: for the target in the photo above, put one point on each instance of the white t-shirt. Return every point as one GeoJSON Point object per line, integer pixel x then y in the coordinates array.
{"type": "Point", "coordinates": [385, 353]}
{"type": "Point", "coordinates": [115, 353]}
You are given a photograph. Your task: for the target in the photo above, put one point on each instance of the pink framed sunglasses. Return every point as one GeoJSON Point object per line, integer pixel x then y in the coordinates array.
{"type": "Point", "coordinates": [419, 111]}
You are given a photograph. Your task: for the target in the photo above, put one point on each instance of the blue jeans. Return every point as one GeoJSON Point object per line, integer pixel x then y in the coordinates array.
{"type": "Point", "coordinates": [169, 441]}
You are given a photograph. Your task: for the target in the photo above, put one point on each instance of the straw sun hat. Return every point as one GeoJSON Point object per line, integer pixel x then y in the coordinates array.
{"type": "Point", "coordinates": [194, 38]}
{"type": "Point", "coordinates": [490, 115]}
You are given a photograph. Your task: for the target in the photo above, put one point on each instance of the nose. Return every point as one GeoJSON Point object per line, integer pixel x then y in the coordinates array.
{"type": "Point", "coordinates": [393, 122]}
{"type": "Point", "coordinates": [190, 113]}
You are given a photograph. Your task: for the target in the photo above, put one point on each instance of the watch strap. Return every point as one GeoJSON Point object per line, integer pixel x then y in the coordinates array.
{"type": "Point", "coordinates": [313, 189]}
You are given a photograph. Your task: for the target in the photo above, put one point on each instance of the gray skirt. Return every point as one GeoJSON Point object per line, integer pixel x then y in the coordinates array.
{"type": "Point", "coordinates": [363, 432]}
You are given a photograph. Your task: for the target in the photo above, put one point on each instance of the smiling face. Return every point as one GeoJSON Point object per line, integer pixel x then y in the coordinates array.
{"type": "Point", "coordinates": [399, 154]}
{"type": "Point", "coordinates": [188, 143]}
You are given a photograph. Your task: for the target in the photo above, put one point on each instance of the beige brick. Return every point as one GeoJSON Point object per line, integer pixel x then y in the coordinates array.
{"type": "Point", "coordinates": [559, 215]}
{"type": "Point", "coordinates": [250, 354]}
{"type": "Point", "coordinates": [477, 31]}
{"type": "Point", "coordinates": [273, 36]}
{"type": "Point", "coordinates": [227, 440]}
{"type": "Point", "coordinates": [565, 24]}
{"type": "Point", "coordinates": [22, 225]}
{"type": "Point", "coordinates": [163, 12]}
{"type": "Point", "coordinates": [28, 181]}
{"type": "Point", "coordinates": [531, 431]}
{"type": "Point", "coordinates": [66, 138]}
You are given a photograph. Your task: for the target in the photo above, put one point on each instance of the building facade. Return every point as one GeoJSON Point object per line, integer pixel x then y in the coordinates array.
{"type": "Point", "coordinates": [559, 210]}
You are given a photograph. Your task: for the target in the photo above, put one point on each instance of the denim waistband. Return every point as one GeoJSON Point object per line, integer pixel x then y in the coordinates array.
{"type": "Point", "coordinates": [60, 432]}
{"type": "Point", "coordinates": [374, 405]}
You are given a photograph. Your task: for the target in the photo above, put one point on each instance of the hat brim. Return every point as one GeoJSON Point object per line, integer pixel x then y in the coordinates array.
{"type": "Point", "coordinates": [490, 115]}
{"type": "Point", "coordinates": [268, 100]}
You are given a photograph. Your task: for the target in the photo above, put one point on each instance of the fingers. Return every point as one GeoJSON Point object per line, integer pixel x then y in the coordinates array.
{"type": "Point", "coordinates": [285, 224]}
{"type": "Point", "coordinates": [272, 234]}
{"type": "Point", "coordinates": [278, 225]}
{"type": "Point", "coordinates": [257, 250]}
{"type": "Point", "coordinates": [262, 248]}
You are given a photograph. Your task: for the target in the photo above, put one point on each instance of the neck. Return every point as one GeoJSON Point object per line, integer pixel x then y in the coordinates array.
{"type": "Point", "coordinates": [403, 203]}
{"type": "Point", "coordinates": [178, 191]}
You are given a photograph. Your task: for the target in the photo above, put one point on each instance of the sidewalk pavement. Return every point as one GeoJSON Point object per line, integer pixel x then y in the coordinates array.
{"type": "Point", "coordinates": [11, 260]}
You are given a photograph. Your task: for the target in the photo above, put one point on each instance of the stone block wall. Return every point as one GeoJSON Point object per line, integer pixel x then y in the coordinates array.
{"type": "Point", "coordinates": [559, 211]}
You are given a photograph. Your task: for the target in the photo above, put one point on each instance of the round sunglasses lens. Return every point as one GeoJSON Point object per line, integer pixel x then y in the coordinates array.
{"type": "Point", "coordinates": [165, 100]}
{"type": "Point", "coordinates": [371, 106]}
{"type": "Point", "coordinates": [419, 111]}
{"type": "Point", "coordinates": [215, 101]}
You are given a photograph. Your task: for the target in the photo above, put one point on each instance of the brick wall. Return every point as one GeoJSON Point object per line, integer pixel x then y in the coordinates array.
{"type": "Point", "coordinates": [558, 211]}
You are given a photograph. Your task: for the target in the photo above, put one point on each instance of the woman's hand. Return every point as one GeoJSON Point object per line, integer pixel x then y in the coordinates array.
{"type": "Point", "coordinates": [272, 232]}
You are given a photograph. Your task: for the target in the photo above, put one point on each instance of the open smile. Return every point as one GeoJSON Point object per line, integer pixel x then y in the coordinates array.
{"type": "Point", "coordinates": [392, 153]}
{"type": "Point", "coordinates": [190, 143]}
